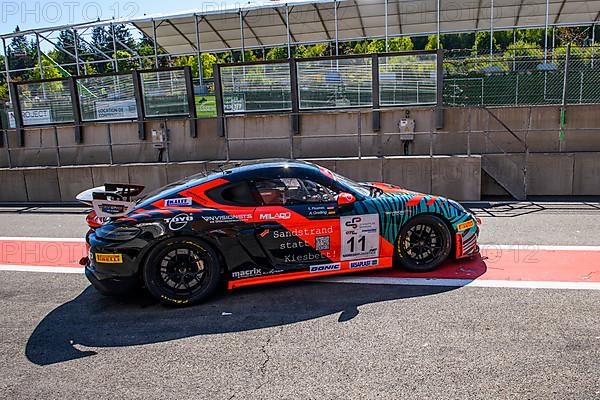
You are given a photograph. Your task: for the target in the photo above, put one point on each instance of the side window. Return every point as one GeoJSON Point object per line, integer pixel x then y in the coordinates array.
{"type": "Point", "coordinates": [238, 194]}
{"type": "Point", "coordinates": [290, 191]}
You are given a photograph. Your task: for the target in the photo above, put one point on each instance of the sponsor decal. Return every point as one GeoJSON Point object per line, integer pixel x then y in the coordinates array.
{"type": "Point", "coordinates": [279, 215]}
{"type": "Point", "coordinates": [112, 208]}
{"type": "Point", "coordinates": [466, 225]}
{"type": "Point", "coordinates": [179, 202]}
{"type": "Point", "coordinates": [109, 258]}
{"type": "Point", "coordinates": [325, 267]}
{"type": "Point", "coordinates": [360, 239]}
{"type": "Point", "coordinates": [322, 243]}
{"type": "Point", "coordinates": [399, 212]}
{"type": "Point", "coordinates": [216, 219]}
{"type": "Point", "coordinates": [249, 273]}
{"type": "Point", "coordinates": [281, 234]}
{"type": "Point", "coordinates": [364, 263]}
{"type": "Point", "coordinates": [179, 221]}
{"type": "Point", "coordinates": [353, 222]}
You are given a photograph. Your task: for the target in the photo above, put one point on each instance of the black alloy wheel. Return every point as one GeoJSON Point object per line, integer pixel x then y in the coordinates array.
{"type": "Point", "coordinates": [423, 243]}
{"type": "Point", "coordinates": [181, 271]}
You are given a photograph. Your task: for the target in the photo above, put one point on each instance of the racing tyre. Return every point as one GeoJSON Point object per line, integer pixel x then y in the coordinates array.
{"type": "Point", "coordinates": [423, 243]}
{"type": "Point", "coordinates": [182, 272]}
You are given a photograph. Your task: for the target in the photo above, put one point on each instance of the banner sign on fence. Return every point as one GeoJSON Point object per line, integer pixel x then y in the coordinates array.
{"type": "Point", "coordinates": [116, 109]}
{"type": "Point", "coordinates": [31, 117]}
{"type": "Point", "coordinates": [234, 103]}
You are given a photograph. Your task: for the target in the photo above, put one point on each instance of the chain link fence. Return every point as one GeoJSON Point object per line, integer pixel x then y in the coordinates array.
{"type": "Point", "coordinates": [522, 77]}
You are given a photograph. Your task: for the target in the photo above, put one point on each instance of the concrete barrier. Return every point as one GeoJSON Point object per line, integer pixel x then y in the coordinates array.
{"type": "Point", "coordinates": [457, 177]}
{"type": "Point", "coordinates": [73, 180]}
{"type": "Point", "coordinates": [153, 176]}
{"type": "Point", "coordinates": [54, 184]}
{"type": "Point", "coordinates": [42, 184]}
{"type": "Point", "coordinates": [550, 174]}
{"type": "Point", "coordinates": [586, 176]}
{"type": "Point", "coordinates": [413, 173]}
{"type": "Point", "coordinates": [12, 185]}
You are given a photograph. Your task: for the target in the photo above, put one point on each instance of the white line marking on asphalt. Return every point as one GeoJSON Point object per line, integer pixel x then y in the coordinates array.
{"type": "Point", "coordinates": [39, 268]}
{"type": "Point", "coordinates": [538, 247]}
{"type": "Point", "coordinates": [463, 282]}
{"type": "Point", "coordinates": [42, 239]}
{"type": "Point", "coordinates": [372, 280]}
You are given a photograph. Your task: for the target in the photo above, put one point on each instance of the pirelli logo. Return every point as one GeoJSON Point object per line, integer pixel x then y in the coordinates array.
{"type": "Point", "coordinates": [466, 225]}
{"type": "Point", "coordinates": [109, 258]}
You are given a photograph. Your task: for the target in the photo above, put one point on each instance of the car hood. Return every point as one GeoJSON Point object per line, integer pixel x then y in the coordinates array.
{"type": "Point", "coordinates": [391, 189]}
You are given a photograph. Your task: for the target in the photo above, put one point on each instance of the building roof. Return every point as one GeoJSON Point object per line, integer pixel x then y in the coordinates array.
{"type": "Point", "coordinates": [320, 21]}
{"type": "Point", "coordinates": [315, 21]}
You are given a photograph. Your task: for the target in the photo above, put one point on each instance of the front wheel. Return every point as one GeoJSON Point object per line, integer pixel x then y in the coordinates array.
{"type": "Point", "coordinates": [423, 243]}
{"type": "Point", "coordinates": [181, 271]}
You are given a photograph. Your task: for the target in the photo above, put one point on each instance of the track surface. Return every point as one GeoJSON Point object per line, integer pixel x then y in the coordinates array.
{"type": "Point", "coordinates": [60, 339]}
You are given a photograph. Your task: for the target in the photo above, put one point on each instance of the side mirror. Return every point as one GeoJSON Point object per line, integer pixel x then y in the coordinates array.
{"type": "Point", "coordinates": [345, 200]}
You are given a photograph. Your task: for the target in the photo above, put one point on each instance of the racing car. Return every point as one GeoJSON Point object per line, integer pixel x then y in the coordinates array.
{"type": "Point", "coordinates": [265, 221]}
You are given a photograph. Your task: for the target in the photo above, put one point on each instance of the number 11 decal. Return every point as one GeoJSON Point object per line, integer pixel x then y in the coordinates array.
{"type": "Point", "coordinates": [360, 236]}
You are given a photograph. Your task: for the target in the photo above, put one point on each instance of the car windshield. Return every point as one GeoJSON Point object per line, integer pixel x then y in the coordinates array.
{"type": "Point", "coordinates": [359, 187]}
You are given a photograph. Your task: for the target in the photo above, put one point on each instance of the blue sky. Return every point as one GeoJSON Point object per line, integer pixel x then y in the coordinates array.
{"type": "Point", "coordinates": [29, 14]}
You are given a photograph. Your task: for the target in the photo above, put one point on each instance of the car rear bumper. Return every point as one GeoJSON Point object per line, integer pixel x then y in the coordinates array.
{"type": "Point", "coordinates": [109, 284]}
{"type": "Point", "coordinates": [112, 267]}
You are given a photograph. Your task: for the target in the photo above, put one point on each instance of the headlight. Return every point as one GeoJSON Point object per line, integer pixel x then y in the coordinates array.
{"type": "Point", "coordinates": [117, 233]}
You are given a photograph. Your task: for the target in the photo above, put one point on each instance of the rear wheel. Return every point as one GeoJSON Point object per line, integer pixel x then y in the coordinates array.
{"type": "Point", "coordinates": [181, 271]}
{"type": "Point", "coordinates": [423, 243]}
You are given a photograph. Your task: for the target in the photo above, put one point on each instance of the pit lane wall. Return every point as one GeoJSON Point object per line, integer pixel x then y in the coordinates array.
{"type": "Point", "coordinates": [458, 177]}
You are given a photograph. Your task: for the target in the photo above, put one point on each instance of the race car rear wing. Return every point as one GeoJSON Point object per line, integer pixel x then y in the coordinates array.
{"type": "Point", "coordinates": [112, 199]}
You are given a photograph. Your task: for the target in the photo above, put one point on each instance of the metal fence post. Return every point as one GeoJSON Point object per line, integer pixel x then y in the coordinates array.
{"type": "Point", "coordinates": [191, 98]}
{"type": "Point", "coordinates": [139, 104]}
{"type": "Point", "coordinates": [76, 110]}
{"type": "Point", "coordinates": [58, 163]}
{"type": "Point", "coordinates": [295, 116]}
{"type": "Point", "coordinates": [18, 115]}
{"type": "Point", "coordinates": [439, 121]}
{"type": "Point", "coordinates": [219, 101]}
{"type": "Point", "coordinates": [375, 90]}
{"type": "Point", "coordinates": [110, 145]}
{"type": "Point", "coordinates": [469, 128]}
{"type": "Point", "coordinates": [359, 135]}
{"type": "Point", "coordinates": [563, 109]}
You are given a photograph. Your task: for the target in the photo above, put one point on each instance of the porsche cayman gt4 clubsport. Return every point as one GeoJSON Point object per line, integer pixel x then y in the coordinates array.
{"type": "Point", "coordinates": [264, 221]}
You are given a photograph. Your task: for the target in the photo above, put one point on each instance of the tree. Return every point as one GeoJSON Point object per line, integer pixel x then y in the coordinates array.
{"type": "Point", "coordinates": [21, 55]}
{"type": "Point", "coordinates": [278, 53]}
{"type": "Point", "coordinates": [482, 43]}
{"type": "Point", "coordinates": [523, 55]}
{"type": "Point", "coordinates": [432, 43]}
{"type": "Point", "coordinates": [394, 44]}
{"type": "Point", "coordinates": [65, 49]}
{"type": "Point", "coordinates": [315, 50]}
{"type": "Point", "coordinates": [208, 60]}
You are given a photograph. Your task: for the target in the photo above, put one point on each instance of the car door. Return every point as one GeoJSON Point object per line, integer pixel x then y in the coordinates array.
{"type": "Point", "coordinates": [298, 224]}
